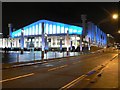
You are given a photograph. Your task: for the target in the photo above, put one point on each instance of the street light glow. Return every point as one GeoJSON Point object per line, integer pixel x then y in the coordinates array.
{"type": "Point", "coordinates": [115, 16]}
{"type": "Point", "coordinates": [119, 31]}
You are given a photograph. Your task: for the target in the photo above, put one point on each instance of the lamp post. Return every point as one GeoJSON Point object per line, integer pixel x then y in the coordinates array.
{"type": "Point", "coordinates": [46, 44]}
{"type": "Point", "coordinates": [115, 16]}
{"type": "Point", "coordinates": [43, 42]}
{"type": "Point", "coordinates": [22, 41]}
{"type": "Point", "coordinates": [67, 39]}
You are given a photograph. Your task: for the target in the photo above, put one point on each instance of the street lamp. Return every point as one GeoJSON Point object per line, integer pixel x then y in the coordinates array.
{"type": "Point", "coordinates": [115, 16]}
{"type": "Point", "coordinates": [119, 32]}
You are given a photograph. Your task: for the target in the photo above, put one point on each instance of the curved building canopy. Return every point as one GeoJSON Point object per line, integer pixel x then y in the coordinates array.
{"type": "Point", "coordinates": [50, 28]}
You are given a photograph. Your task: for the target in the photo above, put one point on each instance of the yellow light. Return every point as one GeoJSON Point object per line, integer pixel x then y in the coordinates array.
{"type": "Point", "coordinates": [119, 31]}
{"type": "Point", "coordinates": [115, 16]}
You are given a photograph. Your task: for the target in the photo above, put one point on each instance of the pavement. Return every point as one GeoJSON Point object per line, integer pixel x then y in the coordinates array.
{"type": "Point", "coordinates": [106, 78]}
{"type": "Point", "coordinates": [109, 76]}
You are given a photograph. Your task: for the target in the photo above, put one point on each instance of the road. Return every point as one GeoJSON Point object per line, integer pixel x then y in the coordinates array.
{"type": "Point", "coordinates": [58, 73]}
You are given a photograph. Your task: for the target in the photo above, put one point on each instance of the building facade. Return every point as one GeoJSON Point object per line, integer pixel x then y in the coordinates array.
{"type": "Point", "coordinates": [56, 35]}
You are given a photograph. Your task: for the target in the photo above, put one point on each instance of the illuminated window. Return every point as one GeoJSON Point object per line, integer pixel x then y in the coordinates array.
{"type": "Point", "coordinates": [30, 30]}
{"type": "Point", "coordinates": [46, 28]}
{"type": "Point", "coordinates": [40, 28]}
{"type": "Point", "coordinates": [62, 29]}
{"type": "Point", "coordinates": [70, 31]}
{"type": "Point", "coordinates": [37, 29]}
{"type": "Point", "coordinates": [27, 31]}
{"type": "Point", "coordinates": [75, 31]}
{"type": "Point", "coordinates": [50, 30]}
{"type": "Point", "coordinates": [33, 30]}
{"type": "Point", "coordinates": [66, 30]}
{"type": "Point", "coordinates": [54, 29]}
{"type": "Point", "coordinates": [79, 31]}
{"type": "Point", "coordinates": [58, 29]}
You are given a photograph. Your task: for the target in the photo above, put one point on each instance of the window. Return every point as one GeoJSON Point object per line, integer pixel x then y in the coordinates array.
{"type": "Point", "coordinates": [66, 30]}
{"type": "Point", "coordinates": [62, 29]}
{"type": "Point", "coordinates": [70, 30]}
{"type": "Point", "coordinates": [27, 31]}
{"type": "Point", "coordinates": [30, 31]}
{"type": "Point", "coordinates": [75, 31]}
{"type": "Point", "coordinates": [58, 29]}
{"type": "Point", "coordinates": [33, 30]}
{"type": "Point", "coordinates": [40, 28]}
{"type": "Point", "coordinates": [54, 29]}
{"type": "Point", "coordinates": [37, 29]}
{"type": "Point", "coordinates": [50, 31]}
{"type": "Point", "coordinates": [46, 28]}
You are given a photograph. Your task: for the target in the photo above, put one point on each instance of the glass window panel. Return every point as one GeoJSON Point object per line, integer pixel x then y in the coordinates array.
{"type": "Point", "coordinates": [70, 30]}
{"type": "Point", "coordinates": [46, 28]}
{"type": "Point", "coordinates": [50, 31]}
{"type": "Point", "coordinates": [58, 29]}
{"type": "Point", "coordinates": [33, 30]}
{"type": "Point", "coordinates": [62, 29]}
{"type": "Point", "coordinates": [66, 30]}
{"type": "Point", "coordinates": [75, 30]}
{"type": "Point", "coordinates": [40, 28]}
{"type": "Point", "coordinates": [37, 29]}
{"type": "Point", "coordinates": [24, 32]}
{"type": "Point", "coordinates": [27, 31]}
{"type": "Point", "coordinates": [30, 30]}
{"type": "Point", "coordinates": [54, 29]}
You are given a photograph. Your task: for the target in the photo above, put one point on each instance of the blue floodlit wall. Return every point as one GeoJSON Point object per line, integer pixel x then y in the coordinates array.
{"type": "Point", "coordinates": [50, 27]}
{"type": "Point", "coordinates": [96, 35]}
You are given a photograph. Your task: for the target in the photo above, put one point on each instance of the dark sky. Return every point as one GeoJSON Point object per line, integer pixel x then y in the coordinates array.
{"type": "Point", "coordinates": [21, 14]}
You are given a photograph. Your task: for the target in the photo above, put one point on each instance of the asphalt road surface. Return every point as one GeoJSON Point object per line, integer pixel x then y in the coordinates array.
{"type": "Point", "coordinates": [59, 73]}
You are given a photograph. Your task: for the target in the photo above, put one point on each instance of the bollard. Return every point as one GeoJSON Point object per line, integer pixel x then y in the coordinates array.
{"type": "Point", "coordinates": [63, 53]}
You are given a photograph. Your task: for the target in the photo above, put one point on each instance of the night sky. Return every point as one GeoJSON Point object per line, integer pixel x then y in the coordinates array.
{"type": "Point", "coordinates": [21, 14]}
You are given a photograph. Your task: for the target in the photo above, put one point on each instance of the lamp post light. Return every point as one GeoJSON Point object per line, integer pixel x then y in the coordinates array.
{"type": "Point", "coordinates": [118, 31]}
{"type": "Point", "coordinates": [22, 41]}
{"type": "Point", "coordinates": [115, 16]}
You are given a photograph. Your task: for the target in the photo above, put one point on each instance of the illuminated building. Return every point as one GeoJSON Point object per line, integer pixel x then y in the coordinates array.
{"type": "Point", "coordinates": [55, 34]}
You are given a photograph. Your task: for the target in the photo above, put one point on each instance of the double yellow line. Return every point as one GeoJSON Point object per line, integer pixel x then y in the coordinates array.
{"type": "Point", "coordinates": [72, 83]}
